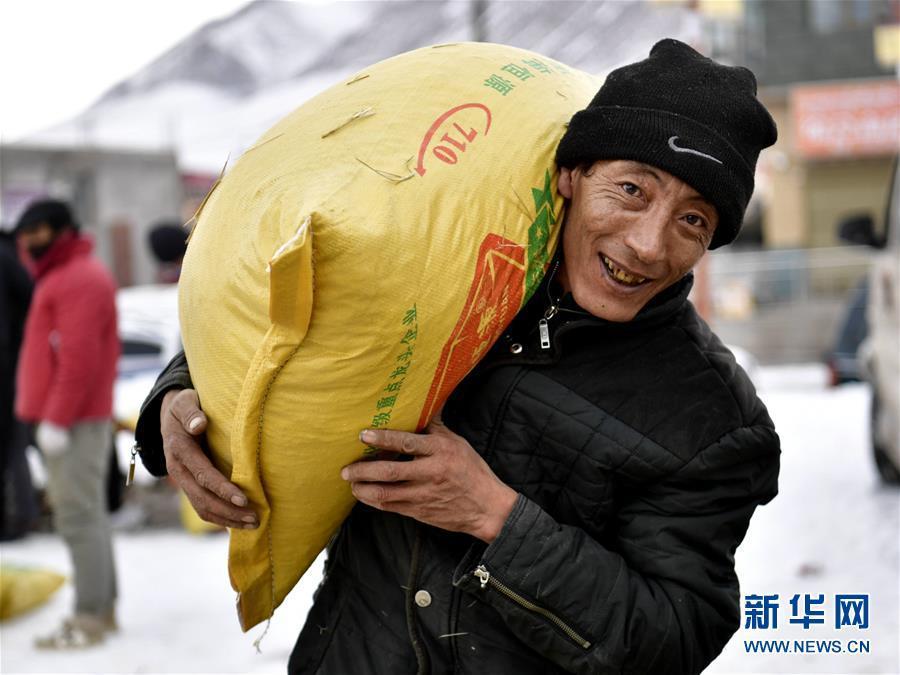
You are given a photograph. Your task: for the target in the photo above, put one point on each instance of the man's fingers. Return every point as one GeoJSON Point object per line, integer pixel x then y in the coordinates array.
{"type": "Point", "coordinates": [389, 471]}
{"type": "Point", "coordinates": [399, 441]}
{"type": "Point", "coordinates": [209, 477]}
{"type": "Point", "coordinates": [210, 507]}
{"type": "Point", "coordinates": [213, 497]}
{"type": "Point", "coordinates": [382, 496]}
{"type": "Point", "coordinates": [182, 449]}
{"type": "Point", "coordinates": [185, 406]}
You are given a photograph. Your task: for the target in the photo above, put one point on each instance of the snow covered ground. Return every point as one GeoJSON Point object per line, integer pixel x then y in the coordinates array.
{"type": "Point", "coordinates": [833, 529]}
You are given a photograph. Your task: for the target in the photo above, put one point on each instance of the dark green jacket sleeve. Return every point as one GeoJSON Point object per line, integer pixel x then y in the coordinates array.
{"type": "Point", "coordinates": [662, 595]}
{"type": "Point", "coordinates": [146, 434]}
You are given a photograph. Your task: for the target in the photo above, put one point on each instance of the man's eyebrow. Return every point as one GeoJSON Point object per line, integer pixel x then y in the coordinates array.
{"type": "Point", "coordinates": [697, 197]}
{"type": "Point", "coordinates": [639, 167]}
{"type": "Point", "coordinates": [646, 169]}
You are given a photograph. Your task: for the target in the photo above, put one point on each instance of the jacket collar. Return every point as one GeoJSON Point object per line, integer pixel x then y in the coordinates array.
{"type": "Point", "coordinates": [67, 246]}
{"type": "Point", "coordinates": [661, 307]}
{"type": "Point", "coordinates": [572, 320]}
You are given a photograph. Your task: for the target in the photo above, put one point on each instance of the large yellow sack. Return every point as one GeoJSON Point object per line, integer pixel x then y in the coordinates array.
{"type": "Point", "coordinates": [353, 266]}
{"type": "Point", "coordinates": [24, 588]}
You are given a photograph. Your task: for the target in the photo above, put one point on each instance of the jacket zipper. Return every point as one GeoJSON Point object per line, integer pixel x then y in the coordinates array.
{"type": "Point", "coordinates": [486, 579]}
{"type": "Point", "coordinates": [544, 326]}
{"type": "Point", "coordinates": [134, 451]}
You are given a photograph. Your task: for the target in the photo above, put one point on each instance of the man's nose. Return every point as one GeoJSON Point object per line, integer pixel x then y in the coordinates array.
{"type": "Point", "coordinates": [647, 236]}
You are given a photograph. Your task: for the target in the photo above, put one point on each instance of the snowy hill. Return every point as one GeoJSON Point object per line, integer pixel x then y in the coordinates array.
{"type": "Point", "coordinates": [212, 95]}
{"type": "Point", "coordinates": [264, 43]}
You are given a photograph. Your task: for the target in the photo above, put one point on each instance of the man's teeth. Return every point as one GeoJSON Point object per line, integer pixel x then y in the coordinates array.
{"type": "Point", "coordinates": [622, 276]}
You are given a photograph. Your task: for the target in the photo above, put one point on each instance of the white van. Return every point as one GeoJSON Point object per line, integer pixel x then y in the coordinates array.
{"type": "Point", "coordinates": [880, 353]}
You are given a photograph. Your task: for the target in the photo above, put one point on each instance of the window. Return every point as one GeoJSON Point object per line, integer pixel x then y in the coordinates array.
{"type": "Point", "coordinates": [825, 17]}
{"type": "Point", "coordinates": [830, 16]}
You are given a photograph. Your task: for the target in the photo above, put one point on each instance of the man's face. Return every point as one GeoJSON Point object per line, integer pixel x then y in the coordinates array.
{"type": "Point", "coordinates": [37, 239]}
{"type": "Point", "coordinates": [631, 230]}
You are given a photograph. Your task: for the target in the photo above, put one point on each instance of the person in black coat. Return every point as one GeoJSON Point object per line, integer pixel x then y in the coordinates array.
{"type": "Point", "coordinates": [577, 505]}
{"type": "Point", "coordinates": [19, 507]}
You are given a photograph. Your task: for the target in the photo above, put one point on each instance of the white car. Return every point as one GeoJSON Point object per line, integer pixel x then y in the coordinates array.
{"type": "Point", "coordinates": [150, 337]}
{"type": "Point", "coordinates": [879, 354]}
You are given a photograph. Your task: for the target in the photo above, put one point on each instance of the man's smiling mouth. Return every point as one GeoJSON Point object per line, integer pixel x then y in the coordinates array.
{"type": "Point", "coordinates": [621, 275]}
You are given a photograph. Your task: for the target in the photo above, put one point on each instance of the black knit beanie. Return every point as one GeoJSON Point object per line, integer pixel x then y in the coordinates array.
{"type": "Point", "coordinates": [168, 241]}
{"type": "Point", "coordinates": [685, 114]}
{"type": "Point", "coordinates": [51, 211]}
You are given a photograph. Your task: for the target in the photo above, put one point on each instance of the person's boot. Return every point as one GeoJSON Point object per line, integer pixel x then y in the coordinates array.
{"type": "Point", "coordinates": [79, 631]}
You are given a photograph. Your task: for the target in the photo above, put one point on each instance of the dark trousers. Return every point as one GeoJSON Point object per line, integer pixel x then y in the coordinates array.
{"type": "Point", "coordinates": [19, 502]}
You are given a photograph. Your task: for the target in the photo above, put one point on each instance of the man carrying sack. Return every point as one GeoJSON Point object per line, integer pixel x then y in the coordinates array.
{"type": "Point", "coordinates": [577, 505]}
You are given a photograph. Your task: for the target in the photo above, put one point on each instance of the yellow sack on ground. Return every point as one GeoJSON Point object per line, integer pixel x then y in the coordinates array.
{"type": "Point", "coordinates": [353, 266]}
{"type": "Point", "coordinates": [24, 588]}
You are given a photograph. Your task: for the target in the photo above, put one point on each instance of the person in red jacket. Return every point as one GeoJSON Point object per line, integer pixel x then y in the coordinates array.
{"type": "Point", "coordinates": [64, 385]}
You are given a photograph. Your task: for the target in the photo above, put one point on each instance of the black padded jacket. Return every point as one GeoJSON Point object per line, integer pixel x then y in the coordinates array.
{"type": "Point", "coordinates": [639, 450]}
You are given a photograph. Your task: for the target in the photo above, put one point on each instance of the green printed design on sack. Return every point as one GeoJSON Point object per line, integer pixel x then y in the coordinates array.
{"type": "Point", "coordinates": [504, 83]}
{"type": "Point", "coordinates": [517, 71]}
{"type": "Point", "coordinates": [539, 235]}
{"type": "Point", "coordinates": [386, 403]}
{"type": "Point", "coordinates": [538, 65]}
{"type": "Point", "coordinates": [501, 84]}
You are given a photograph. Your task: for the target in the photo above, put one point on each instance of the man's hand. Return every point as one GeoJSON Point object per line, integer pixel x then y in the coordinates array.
{"type": "Point", "coordinates": [447, 484]}
{"type": "Point", "coordinates": [215, 499]}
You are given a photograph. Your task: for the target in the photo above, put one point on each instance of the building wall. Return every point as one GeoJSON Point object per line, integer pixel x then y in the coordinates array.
{"type": "Point", "coordinates": [785, 223]}
{"type": "Point", "coordinates": [117, 197]}
{"type": "Point", "coordinates": [807, 198]}
{"type": "Point", "coordinates": [837, 189]}
{"type": "Point", "coordinates": [833, 158]}
{"type": "Point", "coordinates": [790, 44]}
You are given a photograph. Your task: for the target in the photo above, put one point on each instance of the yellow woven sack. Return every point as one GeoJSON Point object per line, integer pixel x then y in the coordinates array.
{"type": "Point", "coordinates": [353, 266]}
{"type": "Point", "coordinates": [24, 588]}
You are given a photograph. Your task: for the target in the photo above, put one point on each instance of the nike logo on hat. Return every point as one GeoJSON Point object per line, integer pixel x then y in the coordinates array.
{"type": "Point", "coordinates": [688, 150]}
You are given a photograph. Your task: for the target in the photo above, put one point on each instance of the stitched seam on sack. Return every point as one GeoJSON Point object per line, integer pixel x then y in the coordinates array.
{"type": "Point", "coordinates": [259, 435]}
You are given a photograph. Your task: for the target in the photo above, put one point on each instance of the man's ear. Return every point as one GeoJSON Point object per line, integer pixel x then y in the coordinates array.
{"type": "Point", "coordinates": [564, 182]}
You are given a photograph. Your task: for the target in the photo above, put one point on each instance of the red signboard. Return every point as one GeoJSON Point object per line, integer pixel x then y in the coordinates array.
{"type": "Point", "coordinates": [847, 120]}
